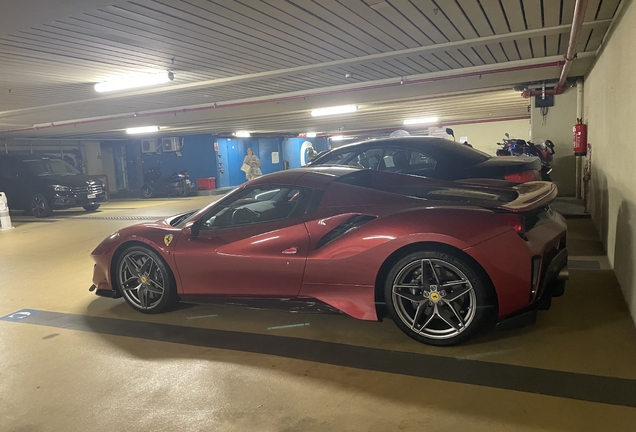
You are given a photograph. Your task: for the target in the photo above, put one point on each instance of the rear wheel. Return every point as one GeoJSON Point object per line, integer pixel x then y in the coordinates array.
{"type": "Point", "coordinates": [436, 297]}
{"type": "Point", "coordinates": [145, 281]}
{"type": "Point", "coordinates": [39, 206]}
{"type": "Point", "coordinates": [182, 189]}
{"type": "Point", "coordinates": [91, 208]}
{"type": "Point", "coordinates": [146, 192]}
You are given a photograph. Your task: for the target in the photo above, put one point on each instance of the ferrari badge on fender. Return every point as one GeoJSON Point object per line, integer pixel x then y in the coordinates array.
{"type": "Point", "coordinates": [168, 239]}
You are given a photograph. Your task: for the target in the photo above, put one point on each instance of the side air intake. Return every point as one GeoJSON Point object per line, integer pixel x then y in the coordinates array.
{"type": "Point", "coordinates": [346, 226]}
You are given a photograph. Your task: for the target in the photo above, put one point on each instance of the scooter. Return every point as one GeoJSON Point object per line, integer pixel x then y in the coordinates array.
{"type": "Point", "coordinates": [176, 184]}
{"type": "Point", "coordinates": [519, 147]}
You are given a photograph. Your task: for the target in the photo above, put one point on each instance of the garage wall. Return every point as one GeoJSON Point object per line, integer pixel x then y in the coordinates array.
{"type": "Point", "coordinates": [610, 112]}
{"type": "Point", "coordinates": [556, 126]}
{"type": "Point", "coordinates": [93, 157]}
{"type": "Point", "coordinates": [485, 136]}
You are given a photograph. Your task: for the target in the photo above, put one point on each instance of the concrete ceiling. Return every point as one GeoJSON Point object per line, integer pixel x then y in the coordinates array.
{"type": "Point", "coordinates": [263, 65]}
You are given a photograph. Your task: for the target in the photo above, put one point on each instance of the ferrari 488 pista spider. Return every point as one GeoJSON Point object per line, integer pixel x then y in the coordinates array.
{"type": "Point", "coordinates": [445, 257]}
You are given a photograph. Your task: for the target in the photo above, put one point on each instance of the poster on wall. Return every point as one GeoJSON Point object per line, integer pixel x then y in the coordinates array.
{"type": "Point", "coordinates": [275, 158]}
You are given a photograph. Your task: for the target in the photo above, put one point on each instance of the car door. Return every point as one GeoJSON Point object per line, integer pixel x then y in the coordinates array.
{"type": "Point", "coordinates": [11, 183]}
{"type": "Point", "coordinates": [255, 244]}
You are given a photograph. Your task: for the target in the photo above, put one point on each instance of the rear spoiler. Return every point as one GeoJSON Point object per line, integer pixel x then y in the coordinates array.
{"type": "Point", "coordinates": [532, 195]}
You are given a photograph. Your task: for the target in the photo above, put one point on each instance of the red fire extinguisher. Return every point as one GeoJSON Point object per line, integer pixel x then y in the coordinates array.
{"type": "Point", "coordinates": [580, 138]}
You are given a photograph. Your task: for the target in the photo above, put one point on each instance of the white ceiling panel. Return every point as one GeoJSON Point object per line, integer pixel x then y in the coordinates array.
{"type": "Point", "coordinates": [264, 55]}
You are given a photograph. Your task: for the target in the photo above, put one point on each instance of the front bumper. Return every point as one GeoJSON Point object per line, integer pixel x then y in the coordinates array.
{"type": "Point", "coordinates": [104, 292]}
{"type": "Point", "coordinates": [64, 200]}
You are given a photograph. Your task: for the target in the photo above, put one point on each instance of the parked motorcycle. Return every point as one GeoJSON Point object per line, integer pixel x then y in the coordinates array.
{"type": "Point", "coordinates": [155, 184]}
{"type": "Point", "coordinates": [519, 147]}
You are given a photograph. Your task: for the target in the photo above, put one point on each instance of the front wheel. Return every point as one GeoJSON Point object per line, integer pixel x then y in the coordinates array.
{"type": "Point", "coordinates": [145, 281]}
{"type": "Point", "coordinates": [437, 298]}
{"type": "Point", "coordinates": [39, 206]}
{"type": "Point", "coordinates": [91, 208]}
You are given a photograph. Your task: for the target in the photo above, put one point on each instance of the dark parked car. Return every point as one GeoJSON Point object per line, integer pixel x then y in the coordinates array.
{"type": "Point", "coordinates": [432, 250]}
{"type": "Point", "coordinates": [432, 157]}
{"type": "Point", "coordinates": [40, 185]}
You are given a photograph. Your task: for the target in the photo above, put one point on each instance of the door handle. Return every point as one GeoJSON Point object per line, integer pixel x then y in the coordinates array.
{"type": "Point", "coordinates": [290, 251]}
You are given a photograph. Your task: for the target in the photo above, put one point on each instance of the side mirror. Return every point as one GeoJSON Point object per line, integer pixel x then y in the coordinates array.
{"type": "Point", "coordinates": [450, 132]}
{"type": "Point", "coordinates": [507, 135]}
{"type": "Point", "coordinates": [192, 230]}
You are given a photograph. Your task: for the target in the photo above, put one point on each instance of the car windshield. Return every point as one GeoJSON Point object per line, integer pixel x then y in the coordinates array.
{"type": "Point", "coordinates": [44, 167]}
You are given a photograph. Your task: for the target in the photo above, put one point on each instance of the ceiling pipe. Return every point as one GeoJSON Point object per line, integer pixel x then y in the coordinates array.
{"type": "Point", "coordinates": [221, 105]}
{"type": "Point", "coordinates": [575, 32]}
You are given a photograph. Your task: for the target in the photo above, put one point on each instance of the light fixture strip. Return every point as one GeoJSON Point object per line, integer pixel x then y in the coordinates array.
{"type": "Point", "coordinates": [142, 130]}
{"type": "Point", "coordinates": [342, 109]}
{"type": "Point", "coordinates": [134, 81]}
{"type": "Point", "coordinates": [242, 134]}
{"type": "Point", "coordinates": [421, 120]}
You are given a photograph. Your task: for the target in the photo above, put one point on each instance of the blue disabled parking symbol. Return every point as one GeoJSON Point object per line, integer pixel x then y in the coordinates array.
{"type": "Point", "coordinates": [20, 315]}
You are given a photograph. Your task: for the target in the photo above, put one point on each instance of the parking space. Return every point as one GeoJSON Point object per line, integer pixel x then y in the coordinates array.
{"type": "Point", "coordinates": [284, 366]}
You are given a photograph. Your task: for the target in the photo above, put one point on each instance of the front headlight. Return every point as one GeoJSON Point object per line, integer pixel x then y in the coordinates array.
{"type": "Point", "coordinates": [60, 188]}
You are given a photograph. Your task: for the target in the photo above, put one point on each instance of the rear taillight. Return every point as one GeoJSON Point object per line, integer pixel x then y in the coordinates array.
{"type": "Point", "coordinates": [516, 223]}
{"type": "Point", "coordinates": [523, 176]}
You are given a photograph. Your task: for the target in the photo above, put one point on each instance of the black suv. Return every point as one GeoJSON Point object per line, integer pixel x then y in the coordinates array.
{"type": "Point", "coordinates": [40, 185]}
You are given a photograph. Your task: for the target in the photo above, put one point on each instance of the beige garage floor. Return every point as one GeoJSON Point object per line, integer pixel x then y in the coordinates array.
{"type": "Point", "coordinates": [83, 363]}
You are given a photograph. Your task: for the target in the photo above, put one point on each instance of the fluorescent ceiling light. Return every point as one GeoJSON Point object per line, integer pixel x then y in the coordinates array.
{"type": "Point", "coordinates": [242, 134]}
{"type": "Point", "coordinates": [310, 134]}
{"type": "Point", "coordinates": [143, 129]}
{"type": "Point", "coordinates": [133, 81]}
{"type": "Point", "coordinates": [342, 109]}
{"type": "Point", "coordinates": [421, 120]}
{"type": "Point", "coordinates": [341, 137]}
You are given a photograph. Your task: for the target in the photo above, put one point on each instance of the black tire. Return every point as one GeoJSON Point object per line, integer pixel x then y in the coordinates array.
{"type": "Point", "coordinates": [91, 208]}
{"type": "Point", "coordinates": [182, 190]}
{"type": "Point", "coordinates": [146, 192]}
{"type": "Point", "coordinates": [139, 280]}
{"type": "Point", "coordinates": [427, 312]}
{"type": "Point", "coordinates": [39, 206]}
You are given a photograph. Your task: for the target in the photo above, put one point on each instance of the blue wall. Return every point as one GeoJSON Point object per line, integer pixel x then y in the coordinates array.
{"type": "Point", "coordinates": [197, 157]}
{"type": "Point", "coordinates": [201, 160]}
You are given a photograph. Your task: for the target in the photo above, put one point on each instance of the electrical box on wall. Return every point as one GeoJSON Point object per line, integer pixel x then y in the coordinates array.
{"type": "Point", "coordinates": [170, 144]}
{"type": "Point", "coordinates": [544, 101]}
{"type": "Point", "coordinates": [149, 146]}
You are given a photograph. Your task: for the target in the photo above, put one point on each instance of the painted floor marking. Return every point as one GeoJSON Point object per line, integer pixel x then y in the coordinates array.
{"type": "Point", "coordinates": [20, 315]}
{"type": "Point", "coordinates": [288, 326]}
{"type": "Point", "coordinates": [526, 379]}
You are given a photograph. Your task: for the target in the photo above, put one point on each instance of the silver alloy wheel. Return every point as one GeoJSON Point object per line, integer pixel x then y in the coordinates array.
{"type": "Point", "coordinates": [434, 298]}
{"type": "Point", "coordinates": [141, 280]}
{"type": "Point", "coordinates": [38, 206]}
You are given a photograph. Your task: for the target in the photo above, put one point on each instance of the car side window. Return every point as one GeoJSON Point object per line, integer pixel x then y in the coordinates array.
{"type": "Point", "coordinates": [259, 204]}
{"type": "Point", "coordinates": [369, 158]}
{"type": "Point", "coordinates": [337, 158]}
{"type": "Point", "coordinates": [406, 160]}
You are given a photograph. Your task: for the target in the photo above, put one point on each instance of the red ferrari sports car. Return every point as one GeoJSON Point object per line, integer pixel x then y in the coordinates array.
{"type": "Point", "coordinates": [446, 258]}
